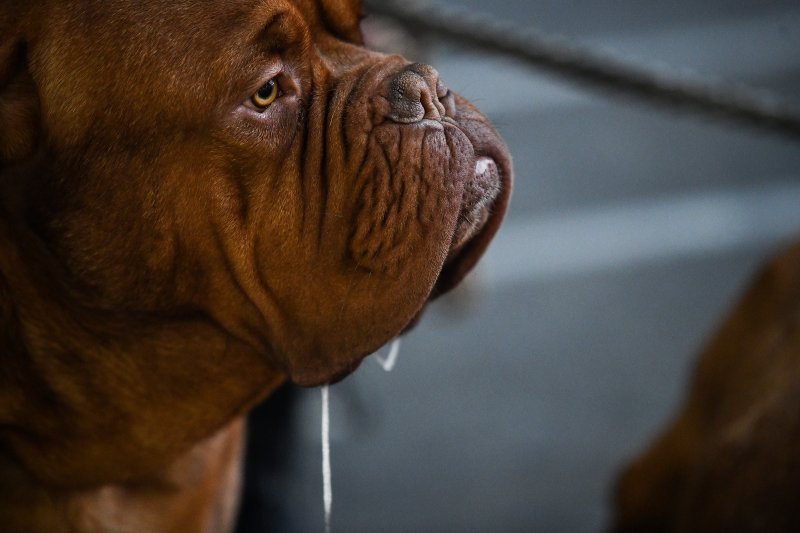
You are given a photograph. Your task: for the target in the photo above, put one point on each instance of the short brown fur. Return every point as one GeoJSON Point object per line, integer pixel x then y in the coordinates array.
{"type": "Point", "coordinates": [169, 255]}
{"type": "Point", "coordinates": [729, 461]}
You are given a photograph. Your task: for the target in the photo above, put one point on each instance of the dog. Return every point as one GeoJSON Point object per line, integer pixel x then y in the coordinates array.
{"type": "Point", "coordinates": [198, 201]}
{"type": "Point", "coordinates": [729, 460]}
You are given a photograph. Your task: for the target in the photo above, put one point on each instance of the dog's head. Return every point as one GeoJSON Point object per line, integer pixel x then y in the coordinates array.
{"type": "Point", "coordinates": [247, 162]}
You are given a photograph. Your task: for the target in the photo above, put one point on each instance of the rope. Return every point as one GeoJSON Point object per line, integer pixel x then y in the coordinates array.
{"type": "Point", "coordinates": [750, 107]}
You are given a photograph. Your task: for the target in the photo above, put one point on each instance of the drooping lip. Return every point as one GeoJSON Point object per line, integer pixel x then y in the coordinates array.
{"type": "Point", "coordinates": [464, 254]}
{"type": "Point", "coordinates": [479, 198]}
{"type": "Point", "coordinates": [494, 166]}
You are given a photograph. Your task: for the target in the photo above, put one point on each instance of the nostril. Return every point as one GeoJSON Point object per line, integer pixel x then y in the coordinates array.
{"type": "Point", "coordinates": [441, 89]}
{"type": "Point", "coordinates": [446, 99]}
{"type": "Point", "coordinates": [414, 95]}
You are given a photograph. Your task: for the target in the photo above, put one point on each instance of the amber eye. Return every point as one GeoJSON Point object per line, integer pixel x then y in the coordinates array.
{"type": "Point", "coordinates": [266, 95]}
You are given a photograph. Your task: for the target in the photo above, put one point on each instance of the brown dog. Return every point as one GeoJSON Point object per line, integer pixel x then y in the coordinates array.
{"type": "Point", "coordinates": [199, 199]}
{"type": "Point", "coordinates": [730, 461]}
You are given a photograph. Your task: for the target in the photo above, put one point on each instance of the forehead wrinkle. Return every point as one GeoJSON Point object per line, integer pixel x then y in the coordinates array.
{"type": "Point", "coordinates": [270, 28]}
{"type": "Point", "coordinates": [280, 29]}
{"type": "Point", "coordinates": [274, 31]}
{"type": "Point", "coordinates": [341, 17]}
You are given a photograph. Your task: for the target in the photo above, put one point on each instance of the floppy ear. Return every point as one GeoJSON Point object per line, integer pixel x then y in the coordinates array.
{"type": "Point", "coordinates": [19, 104]}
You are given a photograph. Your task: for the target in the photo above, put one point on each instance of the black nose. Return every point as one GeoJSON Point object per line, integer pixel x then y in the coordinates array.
{"type": "Point", "coordinates": [415, 93]}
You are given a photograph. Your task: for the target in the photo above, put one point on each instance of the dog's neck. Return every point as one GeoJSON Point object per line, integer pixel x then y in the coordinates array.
{"type": "Point", "coordinates": [88, 399]}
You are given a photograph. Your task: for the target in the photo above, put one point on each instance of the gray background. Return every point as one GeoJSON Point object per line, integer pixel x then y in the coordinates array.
{"type": "Point", "coordinates": [518, 398]}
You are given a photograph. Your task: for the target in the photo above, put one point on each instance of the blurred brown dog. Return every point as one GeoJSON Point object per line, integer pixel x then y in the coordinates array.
{"type": "Point", "coordinates": [730, 461]}
{"type": "Point", "coordinates": [199, 200]}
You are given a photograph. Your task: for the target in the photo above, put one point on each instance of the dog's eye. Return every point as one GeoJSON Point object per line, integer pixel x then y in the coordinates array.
{"type": "Point", "coordinates": [266, 95]}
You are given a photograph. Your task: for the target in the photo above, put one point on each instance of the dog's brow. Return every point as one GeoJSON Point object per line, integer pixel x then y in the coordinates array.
{"type": "Point", "coordinates": [278, 30]}
{"type": "Point", "coordinates": [342, 21]}
{"type": "Point", "coordinates": [271, 25]}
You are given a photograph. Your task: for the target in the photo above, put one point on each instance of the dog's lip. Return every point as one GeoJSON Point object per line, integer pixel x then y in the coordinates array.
{"type": "Point", "coordinates": [479, 197]}
{"type": "Point", "coordinates": [497, 160]}
{"type": "Point", "coordinates": [460, 260]}
{"type": "Point", "coordinates": [327, 376]}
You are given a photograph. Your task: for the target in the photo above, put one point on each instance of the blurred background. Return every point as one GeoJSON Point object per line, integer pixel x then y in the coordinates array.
{"type": "Point", "coordinates": [632, 229]}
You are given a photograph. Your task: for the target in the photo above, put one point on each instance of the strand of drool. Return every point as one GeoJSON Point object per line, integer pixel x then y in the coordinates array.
{"type": "Point", "coordinates": [327, 488]}
{"type": "Point", "coordinates": [391, 359]}
{"type": "Point", "coordinates": [327, 485]}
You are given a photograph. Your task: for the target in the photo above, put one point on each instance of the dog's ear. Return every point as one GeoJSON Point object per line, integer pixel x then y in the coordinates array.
{"type": "Point", "coordinates": [19, 104]}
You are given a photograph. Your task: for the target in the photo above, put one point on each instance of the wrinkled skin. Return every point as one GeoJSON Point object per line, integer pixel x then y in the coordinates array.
{"type": "Point", "coordinates": [171, 253]}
